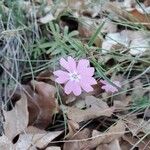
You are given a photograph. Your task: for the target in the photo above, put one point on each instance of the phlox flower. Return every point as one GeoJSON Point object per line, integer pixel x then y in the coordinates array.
{"type": "Point", "coordinates": [76, 77]}
{"type": "Point", "coordinates": [110, 88]}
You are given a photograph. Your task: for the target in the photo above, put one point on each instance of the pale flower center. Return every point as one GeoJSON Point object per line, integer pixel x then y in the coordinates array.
{"type": "Point", "coordinates": [74, 76]}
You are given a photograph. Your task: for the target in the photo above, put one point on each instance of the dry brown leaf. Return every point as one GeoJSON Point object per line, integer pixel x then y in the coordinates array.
{"type": "Point", "coordinates": [121, 101]}
{"type": "Point", "coordinates": [125, 145]}
{"type": "Point", "coordinates": [84, 31]}
{"type": "Point", "coordinates": [147, 3]}
{"type": "Point", "coordinates": [130, 141]}
{"type": "Point", "coordinates": [114, 145]}
{"type": "Point", "coordinates": [103, 147]}
{"type": "Point", "coordinates": [132, 15]}
{"type": "Point", "coordinates": [53, 148]}
{"type": "Point", "coordinates": [139, 92]}
{"type": "Point", "coordinates": [72, 127]}
{"type": "Point", "coordinates": [78, 145]}
{"type": "Point", "coordinates": [5, 143]}
{"type": "Point", "coordinates": [138, 17]}
{"type": "Point", "coordinates": [39, 139]}
{"type": "Point", "coordinates": [115, 132]}
{"type": "Point", "coordinates": [136, 125]}
{"type": "Point", "coordinates": [17, 119]}
{"type": "Point", "coordinates": [97, 108]}
{"type": "Point", "coordinates": [109, 26]}
{"type": "Point", "coordinates": [41, 104]}
{"type": "Point", "coordinates": [47, 18]}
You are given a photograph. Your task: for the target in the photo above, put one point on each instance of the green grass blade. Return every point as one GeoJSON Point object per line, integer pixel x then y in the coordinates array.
{"type": "Point", "coordinates": [93, 38]}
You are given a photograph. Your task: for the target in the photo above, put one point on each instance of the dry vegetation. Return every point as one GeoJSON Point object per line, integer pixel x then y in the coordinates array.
{"type": "Point", "coordinates": [36, 113]}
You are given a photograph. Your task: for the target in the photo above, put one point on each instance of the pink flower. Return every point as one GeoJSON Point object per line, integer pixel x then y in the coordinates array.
{"type": "Point", "coordinates": [110, 88]}
{"type": "Point", "coordinates": [77, 77]}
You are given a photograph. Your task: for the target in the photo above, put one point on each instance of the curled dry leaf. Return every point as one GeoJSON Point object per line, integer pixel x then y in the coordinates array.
{"type": "Point", "coordinates": [139, 42]}
{"type": "Point", "coordinates": [113, 39]}
{"type": "Point", "coordinates": [39, 139]}
{"type": "Point", "coordinates": [17, 119]}
{"type": "Point", "coordinates": [114, 145]}
{"type": "Point", "coordinates": [41, 104]}
{"type": "Point", "coordinates": [147, 3]}
{"type": "Point", "coordinates": [95, 108]}
{"type": "Point", "coordinates": [136, 41]}
{"type": "Point", "coordinates": [53, 148]}
{"type": "Point", "coordinates": [5, 143]}
{"type": "Point", "coordinates": [81, 141]}
{"type": "Point", "coordinates": [121, 101]}
{"type": "Point", "coordinates": [137, 126]}
{"type": "Point", "coordinates": [72, 127]}
{"type": "Point", "coordinates": [47, 18]}
{"type": "Point", "coordinates": [128, 141]}
{"type": "Point", "coordinates": [115, 132]}
{"type": "Point", "coordinates": [46, 76]}
{"type": "Point", "coordinates": [131, 14]}
{"type": "Point", "coordinates": [142, 9]}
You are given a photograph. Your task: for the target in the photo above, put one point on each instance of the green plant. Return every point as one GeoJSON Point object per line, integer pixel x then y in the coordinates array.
{"type": "Point", "coordinates": [13, 11]}
{"type": "Point", "coordinates": [141, 103]}
{"type": "Point", "coordinates": [62, 43]}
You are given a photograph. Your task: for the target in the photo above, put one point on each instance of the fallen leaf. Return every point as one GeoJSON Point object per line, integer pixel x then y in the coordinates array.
{"type": "Point", "coordinates": [84, 30]}
{"type": "Point", "coordinates": [109, 26]}
{"type": "Point", "coordinates": [41, 104]}
{"type": "Point", "coordinates": [121, 101]}
{"type": "Point", "coordinates": [114, 145]}
{"type": "Point", "coordinates": [40, 139]}
{"type": "Point", "coordinates": [17, 119]}
{"type": "Point", "coordinates": [5, 143]}
{"type": "Point", "coordinates": [114, 132]}
{"type": "Point", "coordinates": [72, 127]}
{"type": "Point", "coordinates": [131, 14]}
{"type": "Point", "coordinates": [139, 43]}
{"type": "Point", "coordinates": [78, 145]}
{"type": "Point", "coordinates": [53, 148]}
{"type": "Point", "coordinates": [147, 3]}
{"type": "Point", "coordinates": [97, 108]}
{"type": "Point", "coordinates": [136, 125]}
{"type": "Point", "coordinates": [138, 18]}
{"type": "Point", "coordinates": [47, 18]}
{"type": "Point", "coordinates": [114, 39]}
{"type": "Point", "coordinates": [46, 76]}
{"type": "Point", "coordinates": [103, 147]}
{"type": "Point", "coordinates": [142, 9]}
{"type": "Point", "coordinates": [130, 141]}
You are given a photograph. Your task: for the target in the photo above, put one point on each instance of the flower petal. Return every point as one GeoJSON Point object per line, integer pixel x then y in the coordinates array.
{"type": "Point", "coordinates": [110, 88]}
{"type": "Point", "coordinates": [72, 64]}
{"type": "Point", "coordinates": [83, 68]}
{"type": "Point", "coordinates": [60, 73]}
{"type": "Point", "coordinates": [86, 83]}
{"type": "Point", "coordinates": [64, 64]}
{"type": "Point", "coordinates": [88, 80]}
{"type": "Point", "coordinates": [83, 63]}
{"type": "Point", "coordinates": [104, 81]}
{"type": "Point", "coordinates": [68, 87]}
{"type": "Point", "coordinates": [87, 72]}
{"type": "Point", "coordinates": [69, 65]}
{"type": "Point", "coordinates": [62, 76]}
{"type": "Point", "coordinates": [87, 87]}
{"type": "Point", "coordinates": [76, 89]}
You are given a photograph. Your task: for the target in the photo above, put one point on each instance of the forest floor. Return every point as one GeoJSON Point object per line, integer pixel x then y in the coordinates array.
{"type": "Point", "coordinates": [75, 75]}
